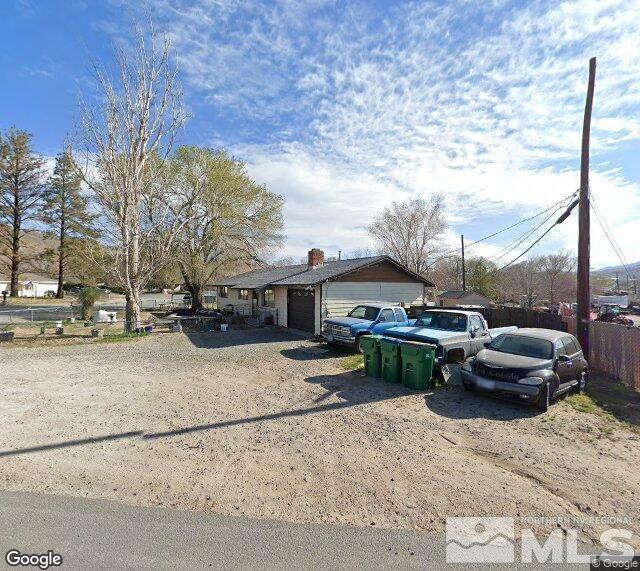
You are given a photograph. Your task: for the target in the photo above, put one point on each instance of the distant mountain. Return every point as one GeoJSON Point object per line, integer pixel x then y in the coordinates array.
{"type": "Point", "coordinates": [634, 270]}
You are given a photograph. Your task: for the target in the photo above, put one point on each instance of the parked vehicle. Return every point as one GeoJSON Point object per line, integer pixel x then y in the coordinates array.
{"type": "Point", "coordinates": [457, 334]}
{"type": "Point", "coordinates": [611, 313]}
{"type": "Point", "coordinates": [534, 365]}
{"type": "Point", "coordinates": [362, 320]}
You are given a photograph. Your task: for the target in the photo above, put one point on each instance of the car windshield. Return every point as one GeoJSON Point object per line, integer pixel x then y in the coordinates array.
{"type": "Point", "coordinates": [365, 312]}
{"type": "Point", "coordinates": [443, 320]}
{"type": "Point", "coordinates": [521, 345]}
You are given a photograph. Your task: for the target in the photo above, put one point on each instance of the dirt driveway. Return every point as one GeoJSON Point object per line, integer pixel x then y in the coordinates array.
{"type": "Point", "coordinates": [265, 424]}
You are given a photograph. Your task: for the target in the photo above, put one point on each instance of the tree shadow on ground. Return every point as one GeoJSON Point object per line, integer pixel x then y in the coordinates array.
{"type": "Point", "coordinates": [238, 337]}
{"type": "Point", "coordinates": [319, 351]}
{"type": "Point", "coordinates": [351, 388]}
{"type": "Point", "coordinates": [456, 403]}
{"type": "Point", "coordinates": [354, 388]}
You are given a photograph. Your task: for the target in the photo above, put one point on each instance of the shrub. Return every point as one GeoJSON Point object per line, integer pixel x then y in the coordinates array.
{"type": "Point", "coordinates": [88, 296]}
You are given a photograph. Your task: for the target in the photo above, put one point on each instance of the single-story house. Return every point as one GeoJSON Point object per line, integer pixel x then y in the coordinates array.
{"type": "Point", "coordinates": [300, 296]}
{"type": "Point", "coordinates": [458, 298]}
{"type": "Point", "coordinates": [31, 285]}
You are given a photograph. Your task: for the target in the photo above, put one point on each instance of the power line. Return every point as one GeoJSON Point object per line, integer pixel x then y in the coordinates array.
{"type": "Point", "coordinates": [560, 220]}
{"type": "Point", "coordinates": [529, 248]}
{"type": "Point", "coordinates": [609, 235]}
{"type": "Point", "coordinates": [520, 239]}
{"type": "Point", "coordinates": [467, 246]}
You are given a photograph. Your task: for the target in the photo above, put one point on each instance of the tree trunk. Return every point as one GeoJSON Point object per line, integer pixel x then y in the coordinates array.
{"type": "Point", "coordinates": [15, 250]}
{"type": "Point", "coordinates": [60, 292]}
{"type": "Point", "coordinates": [15, 269]}
{"type": "Point", "coordinates": [132, 308]}
{"type": "Point", "coordinates": [132, 312]}
{"type": "Point", "coordinates": [197, 296]}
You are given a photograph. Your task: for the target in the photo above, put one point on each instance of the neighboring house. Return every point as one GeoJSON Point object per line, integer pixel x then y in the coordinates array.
{"type": "Point", "coordinates": [301, 296]}
{"type": "Point", "coordinates": [457, 298]}
{"type": "Point", "coordinates": [31, 285]}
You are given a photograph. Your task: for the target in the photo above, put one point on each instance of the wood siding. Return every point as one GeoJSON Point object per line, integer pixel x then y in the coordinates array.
{"type": "Point", "coordinates": [383, 271]}
{"type": "Point", "coordinates": [338, 298]}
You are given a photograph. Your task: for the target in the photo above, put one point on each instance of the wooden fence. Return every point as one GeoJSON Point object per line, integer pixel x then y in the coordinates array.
{"type": "Point", "coordinates": [503, 317]}
{"type": "Point", "coordinates": [615, 349]}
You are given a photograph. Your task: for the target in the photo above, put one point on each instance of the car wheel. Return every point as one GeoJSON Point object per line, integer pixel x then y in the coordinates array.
{"type": "Point", "coordinates": [356, 345]}
{"type": "Point", "coordinates": [544, 397]}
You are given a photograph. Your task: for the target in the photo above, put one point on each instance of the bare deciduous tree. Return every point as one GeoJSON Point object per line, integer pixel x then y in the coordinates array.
{"type": "Point", "coordinates": [127, 136]}
{"type": "Point", "coordinates": [557, 278]}
{"type": "Point", "coordinates": [411, 231]}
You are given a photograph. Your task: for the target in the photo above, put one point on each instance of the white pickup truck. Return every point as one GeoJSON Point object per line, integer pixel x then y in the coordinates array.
{"type": "Point", "coordinates": [457, 334]}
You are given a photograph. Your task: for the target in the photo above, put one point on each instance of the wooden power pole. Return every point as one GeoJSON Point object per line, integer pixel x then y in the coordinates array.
{"type": "Point", "coordinates": [584, 299]}
{"type": "Point", "coordinates": [464, 276]}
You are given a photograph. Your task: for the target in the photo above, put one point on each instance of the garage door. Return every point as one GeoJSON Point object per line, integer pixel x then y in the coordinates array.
{"type": "Point", "coordinates": [301, 305]}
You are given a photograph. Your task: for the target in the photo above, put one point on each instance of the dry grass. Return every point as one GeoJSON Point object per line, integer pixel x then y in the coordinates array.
{"type": "Point", "coordinates": [20, 302]}
{"type": "Point", "coordinates": [353, 362]}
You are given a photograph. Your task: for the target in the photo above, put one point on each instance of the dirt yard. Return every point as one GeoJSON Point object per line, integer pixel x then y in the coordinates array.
{"type": "Point", "coordinates": [265, 424]}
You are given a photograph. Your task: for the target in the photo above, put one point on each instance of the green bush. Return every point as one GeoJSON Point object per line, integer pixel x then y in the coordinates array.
{"type": "Point", "coordinates": [87, 297]}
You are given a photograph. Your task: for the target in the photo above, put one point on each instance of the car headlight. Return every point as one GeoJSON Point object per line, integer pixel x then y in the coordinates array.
{"type": "Point", "coordinates": [467, 366]}
{"type": "Point", "coordinates": [531, 381]}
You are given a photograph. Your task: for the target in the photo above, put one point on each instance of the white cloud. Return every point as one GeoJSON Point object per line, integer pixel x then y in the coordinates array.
{"type": "Point", "coordinates": [481, 101]}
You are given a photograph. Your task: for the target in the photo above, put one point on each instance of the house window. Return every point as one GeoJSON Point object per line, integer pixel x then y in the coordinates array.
{"type": "Point", "coordinates": [224, 291]}
{"type": "Point", "coordinates": [269, 298]}
{"type": "Point", "coordinates": [244, 294]}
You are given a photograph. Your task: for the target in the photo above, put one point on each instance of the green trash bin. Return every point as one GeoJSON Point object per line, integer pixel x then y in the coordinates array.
{"type": "Point", "coordinates": [417, 365]}
{"type": "Point", "coordinates": [370, 346]}
{"type": "Point", "coordinates": [390, 369]}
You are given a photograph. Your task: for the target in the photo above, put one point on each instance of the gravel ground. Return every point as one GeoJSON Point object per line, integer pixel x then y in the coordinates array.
{"type": "Point", "coordinates": [266, 424]}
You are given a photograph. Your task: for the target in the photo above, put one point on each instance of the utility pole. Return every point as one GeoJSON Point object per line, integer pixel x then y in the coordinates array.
{"type": "Point", "coordinates": [457, 273]}
{"type": "Point", "coordinates": [584, 300]}
{"type": "Point", "coordinates": [464, 278]}
{"type": "Point", "coordinates": [617, 282]}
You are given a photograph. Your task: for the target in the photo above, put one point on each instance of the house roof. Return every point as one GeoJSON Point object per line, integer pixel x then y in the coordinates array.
{"type": "Point", "coordinates": [302, 274]}
{"type": "Point", "coordinates": [458, 294]}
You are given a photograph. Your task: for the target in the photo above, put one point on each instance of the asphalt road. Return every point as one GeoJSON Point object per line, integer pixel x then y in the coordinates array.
{"type": "Point", "coordinates": [101, 534]}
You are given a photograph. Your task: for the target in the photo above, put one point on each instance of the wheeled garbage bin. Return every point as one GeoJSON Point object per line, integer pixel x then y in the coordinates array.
{"type": "Point", "coordinates": [370, 346]}
{"type": "Point", "coordinates": [417, 365]}
{"type": "Point", "coordinates": [390, 369]}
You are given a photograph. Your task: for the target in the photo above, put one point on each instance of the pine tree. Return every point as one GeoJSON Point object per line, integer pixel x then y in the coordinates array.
{"type": "Point", "coordinates": [21, 176]}
{"type": "Point", "coordinates": [65, 212]}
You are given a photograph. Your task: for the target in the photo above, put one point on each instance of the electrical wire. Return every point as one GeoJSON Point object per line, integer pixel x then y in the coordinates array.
{"type": "Point", "coordinates": [559, 221]}
{"type": "Point", "coordinates": [609, 235]}
{"type": "Point", "coordinates": [520, 239]}
{"type": "Point", "coordinates": [529, 248]}
{"type": "Point", "coordinates": [467, 246]}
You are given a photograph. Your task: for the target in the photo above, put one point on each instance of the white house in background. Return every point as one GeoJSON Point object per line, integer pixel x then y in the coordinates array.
{"type": "Point", "coordinates": [30, 285]}
{"type": "Point", "coordinates": [301, 296]}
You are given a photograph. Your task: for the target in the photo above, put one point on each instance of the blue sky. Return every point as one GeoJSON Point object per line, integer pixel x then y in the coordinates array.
{"type": "Point", "coordinates": [343, 107]}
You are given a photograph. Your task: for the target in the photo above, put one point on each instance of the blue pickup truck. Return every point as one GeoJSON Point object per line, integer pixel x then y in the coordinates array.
{"type": "Point", "coordinates": [368, 319]}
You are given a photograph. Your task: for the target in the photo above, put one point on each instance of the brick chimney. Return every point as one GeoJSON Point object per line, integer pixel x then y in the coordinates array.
{"type": "Point", "coordinates": [316, 258]}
